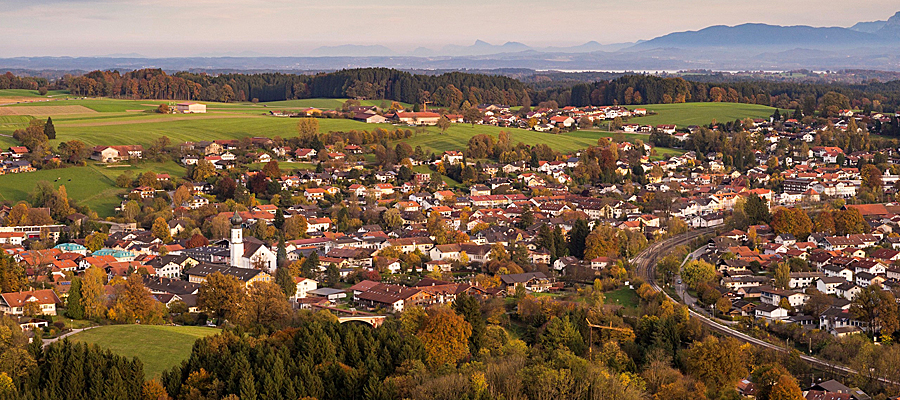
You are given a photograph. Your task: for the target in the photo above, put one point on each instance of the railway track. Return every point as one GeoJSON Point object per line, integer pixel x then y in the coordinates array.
{"type": "Point", "coordinates": [645, 263]}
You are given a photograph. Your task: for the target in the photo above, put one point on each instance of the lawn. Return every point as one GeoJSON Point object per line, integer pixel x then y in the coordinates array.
{"type": "Point", "coordinates": [686, 114]}
{"type": "Point", "coordinates": [93, 185]}
{"type": "Point", "coordinates": [623, 297]}
{"type": "Point", "coordinates": [158, 347]}
{"type": "Point", "coordinates": [423, 169]}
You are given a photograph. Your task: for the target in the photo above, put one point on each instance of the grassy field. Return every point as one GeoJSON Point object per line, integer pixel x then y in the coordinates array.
{"type": "Point", "coordinates": [101, 121]}
{"type": "Point", "coordinates": [686, 114]}
{"type": "Point", "coordinates": [27, 93]}
{"type": "Point", "coordinates": [158, 347]}
{"type": "Point", "coordinates": [120, 122]}
{"type": "Point", "coordinates": [93, 185]}
{"type": "Point", "coordinates": [623, 297]}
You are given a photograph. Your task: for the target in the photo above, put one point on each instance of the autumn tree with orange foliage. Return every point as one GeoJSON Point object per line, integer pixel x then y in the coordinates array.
{"type": "Point", "coordinates": [793, 221]}
{"type": "Point", "coordinates": [445, 335]}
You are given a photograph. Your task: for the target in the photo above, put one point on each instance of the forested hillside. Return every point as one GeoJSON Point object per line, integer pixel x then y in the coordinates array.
{"type": "Point", "coordinates": [648, 89]}
{"type": "Point", "coordinates": [451, 89]}
{"type": "Point", "coordinates": [458, 90]}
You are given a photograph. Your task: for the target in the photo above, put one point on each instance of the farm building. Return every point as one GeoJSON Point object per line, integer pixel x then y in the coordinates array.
{"type": "Point", "coordinates": [418, 118]}
{"type": "Point", "coordinates": [370, 118]}
{"type": "Point", "coordinates": [190, 108]}
{"type": "Point", "coordinates": [116, 153]}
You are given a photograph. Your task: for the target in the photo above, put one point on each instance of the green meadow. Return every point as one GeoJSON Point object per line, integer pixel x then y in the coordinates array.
{"type": "Point", "coordinates": [33, 94]}
{"type": "Point", "coordinates": [103, 121]}
{"type": "Point", "coordinates": [158, 347]}
{"type": "Point", "coordinates": [686, 114]}
{"type": "Point", "coordinates": [93, 185]}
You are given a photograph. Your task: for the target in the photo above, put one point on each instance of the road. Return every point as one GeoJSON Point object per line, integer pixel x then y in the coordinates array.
{"type": "Point", "coordinates": [67, 334]}
{"type": "Point", "coordinates": [645, 263]}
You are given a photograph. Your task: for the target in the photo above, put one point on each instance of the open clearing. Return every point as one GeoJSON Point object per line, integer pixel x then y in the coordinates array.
{"type": "Point", "coordinates": [45, 110]}
{"type": "Point", "coordinates": [93, 185]}
{"type": "Point", "coordinates": [686, 114]}
{"type": "Point", "coordinates": [158, 347]}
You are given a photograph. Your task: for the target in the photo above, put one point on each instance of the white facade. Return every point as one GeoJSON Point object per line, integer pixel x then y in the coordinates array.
{"type": "Point", "coordinates": [190, 108]}
{"type": "Point", "coordinates": [237, 241]}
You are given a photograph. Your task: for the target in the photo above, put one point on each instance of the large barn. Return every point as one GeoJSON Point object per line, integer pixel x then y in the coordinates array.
{"type": "Point", "coordinates": [190, 108]}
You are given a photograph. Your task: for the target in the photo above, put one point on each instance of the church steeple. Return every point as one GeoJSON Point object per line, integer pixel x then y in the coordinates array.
{"type": "Point", "coordinates": [236, 246]}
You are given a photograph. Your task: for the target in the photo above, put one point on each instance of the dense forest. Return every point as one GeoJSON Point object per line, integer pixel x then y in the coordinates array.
{"type": "Point", "coordinates": [10, 81]}
{"type": "Point", "coordinates": [451, 89]}
{"type": "Point", "coordinates": [457, 90]}
{"type": "Point", "coordinates": [648, 89]}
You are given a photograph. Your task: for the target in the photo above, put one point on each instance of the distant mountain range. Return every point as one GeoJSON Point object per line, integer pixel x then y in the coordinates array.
{"type": "Point", "coordinates": [760, 37]}
{"type": "Point", "coordinates": [889, 28]}
{"type": "Point", "coordinates": [767, 37]}
{"type": "Point", "coordinates": [866, 45]}
{"type": "Point", "coordinates": [479, 48]}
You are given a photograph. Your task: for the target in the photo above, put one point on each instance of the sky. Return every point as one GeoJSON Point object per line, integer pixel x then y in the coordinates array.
{"type": "Point", "coordinates": [179, 28]}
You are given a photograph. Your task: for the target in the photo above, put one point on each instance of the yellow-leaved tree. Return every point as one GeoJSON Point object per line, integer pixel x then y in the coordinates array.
{"type": "Point", "coordinates": [92, 294]}
{"type": "Point", "coordinates": [445, 335]}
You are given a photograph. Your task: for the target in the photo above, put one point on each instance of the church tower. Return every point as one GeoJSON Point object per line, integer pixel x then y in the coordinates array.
{"type": "Point", "coordinates": [237, 240]}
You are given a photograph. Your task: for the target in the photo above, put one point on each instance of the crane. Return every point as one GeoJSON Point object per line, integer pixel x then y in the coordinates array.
{"type": "Point", "coordinates": [425, 104]}
{"type": "Point", "coordinates": [591, 339]}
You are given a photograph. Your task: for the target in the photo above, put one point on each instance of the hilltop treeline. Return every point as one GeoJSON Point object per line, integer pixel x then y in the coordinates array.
{"type": "Point", "coordinates": [449, 90]}
{"type": "Point", "coordinates": [458, 90]}
{"type": "Point", "coordinates": [11, 81]}
{"type": "Point", "coordinates": [648, 89]}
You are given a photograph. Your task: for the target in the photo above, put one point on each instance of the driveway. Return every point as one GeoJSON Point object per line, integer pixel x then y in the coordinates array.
{"type": "Point", "coordinates": [63, 336]}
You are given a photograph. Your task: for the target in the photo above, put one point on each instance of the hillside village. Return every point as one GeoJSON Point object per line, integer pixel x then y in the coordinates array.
{"type": "Point", "coordinates": [364, 230]}
{"type": "Point", "coordinates": [370, 224]}
{"type": "Point", "coordinates": [528, 208]}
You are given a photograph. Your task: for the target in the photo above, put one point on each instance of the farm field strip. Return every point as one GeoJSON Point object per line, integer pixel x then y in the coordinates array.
{"type": "Point", "coordinates": [45, 110]}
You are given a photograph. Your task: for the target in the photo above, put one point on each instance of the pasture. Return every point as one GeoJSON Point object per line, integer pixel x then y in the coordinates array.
{"type": "Point", "coordinates": [103, 121]}
{"type": "Point", "coordinates": [686, 114]}
{"type": "Point", "coordinates": [93, 185]}
{"type": "Point", "coordinates": [158, 347]}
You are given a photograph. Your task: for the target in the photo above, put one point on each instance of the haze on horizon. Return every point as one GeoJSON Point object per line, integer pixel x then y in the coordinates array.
{"type": "Point", "coordinates": [163, 28]}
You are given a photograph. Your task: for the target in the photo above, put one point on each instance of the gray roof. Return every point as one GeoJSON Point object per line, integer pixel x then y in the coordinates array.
{"type": "Point", "coordinates": [325, 291]}
{"type": "Point", "coordinates": [522, 278]}
{"type": "Point", "coordinates": [242, 274]}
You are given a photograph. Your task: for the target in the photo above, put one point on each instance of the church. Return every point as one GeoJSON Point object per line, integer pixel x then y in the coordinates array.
{"type": "Point", "coordinates": [251, 253]}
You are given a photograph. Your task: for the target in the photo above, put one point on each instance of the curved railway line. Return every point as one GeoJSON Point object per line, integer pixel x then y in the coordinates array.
{"type": "Point", "coordinates": [645, 263]}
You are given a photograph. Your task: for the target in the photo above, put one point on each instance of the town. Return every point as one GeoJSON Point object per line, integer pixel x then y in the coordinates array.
{"type": "Point", "coordinates": [317, 233]}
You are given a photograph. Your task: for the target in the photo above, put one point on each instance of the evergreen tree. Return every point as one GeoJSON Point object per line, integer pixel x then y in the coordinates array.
{"type": "Point", "coordinates": [279, 219]}
{"type": "Point", "coordinates": [311, 265]}
{"type": "Point", "coordinates": [248, 386]}
{"type": "Point", "coordinates": [284, 279]}
{"type": "Point", "coordinates": [577, 238]}
{"type": "Point", "coordinates": [470, 309]}
{"type": "Point", "coordinates": [757, 210]}
{"type": "Point", "coordinates": [74, 307]}
{"type": "Point", "coordinates": [281, 255]}
{"type": "Point", "coordinates": [49, 129]}
{"type": "Point", "coordinates": [332, 275]}
{"type": "Point", "coordinates": [559, 241]}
